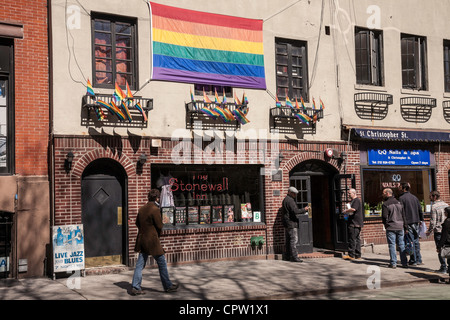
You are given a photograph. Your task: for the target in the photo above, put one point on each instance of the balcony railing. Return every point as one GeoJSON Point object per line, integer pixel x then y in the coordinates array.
{"type": "Point", "coordinates": [417, 109]}
{"type": "Point", "coordinates": [204, 115]}
{"type": "Point", "coordinates": [446, 110]}
{"type": "Point", "coordinates": [371, 105]}
{"type": "Point", "coordinates": [290, 120]}
{"type": "Point", "coordinates": [100, 111]}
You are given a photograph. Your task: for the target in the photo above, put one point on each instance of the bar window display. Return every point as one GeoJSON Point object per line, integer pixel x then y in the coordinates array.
{"type": "Point", "coordinates": [209, 195]}
{"type": "Point", "coordinates": [376, 179]}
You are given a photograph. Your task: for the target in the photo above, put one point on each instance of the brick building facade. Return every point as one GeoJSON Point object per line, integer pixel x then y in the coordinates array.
{"type": "Point", "coordinates": [25, 127]}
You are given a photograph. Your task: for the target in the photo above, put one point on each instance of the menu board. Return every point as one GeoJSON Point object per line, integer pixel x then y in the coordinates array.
{"type": "Point", "coordinates": [180, 215]}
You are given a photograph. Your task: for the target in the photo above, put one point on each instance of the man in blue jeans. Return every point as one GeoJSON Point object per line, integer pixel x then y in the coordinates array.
{"type": "Point", "coordinates": [393, 216]}
{"type": "Point", "coordinates": [150, 225]}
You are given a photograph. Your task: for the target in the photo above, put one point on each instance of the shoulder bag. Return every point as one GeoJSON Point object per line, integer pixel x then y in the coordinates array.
{"type": "Point", "coordinates": [445, 252]}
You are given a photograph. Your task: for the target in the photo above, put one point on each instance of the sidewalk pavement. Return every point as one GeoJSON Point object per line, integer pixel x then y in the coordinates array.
{"type": "Point", "coordinates": [235, 280]}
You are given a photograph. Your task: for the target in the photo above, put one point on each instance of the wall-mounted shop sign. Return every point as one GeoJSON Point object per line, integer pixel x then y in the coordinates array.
{"type": "Point", "coordinates": [392, 157]}
{"type": "Point", "coordinates": [401, 135]}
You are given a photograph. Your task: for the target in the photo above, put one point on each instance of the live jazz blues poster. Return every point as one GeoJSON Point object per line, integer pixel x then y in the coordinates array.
{"type": "Point", "coordinates": [68, 248]}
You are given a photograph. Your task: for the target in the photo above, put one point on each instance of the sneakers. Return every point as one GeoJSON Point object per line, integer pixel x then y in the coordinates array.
{"type": "Point", "coordinates": [137, 292]}
{"type": "Point", "coordinates": [173, 288]}
{"type": "Point", "coordinates": [296, 260]}
{"type": "Point", "coordinates": [442, 270]}
{"type": "Point", "coordinates": [392, 266]}
{"type": "Point", "coordinates": [347, 257]}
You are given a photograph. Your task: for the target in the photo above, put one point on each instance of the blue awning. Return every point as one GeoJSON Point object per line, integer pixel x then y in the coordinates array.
{"type": "Point", "coordinates": [401, 135]}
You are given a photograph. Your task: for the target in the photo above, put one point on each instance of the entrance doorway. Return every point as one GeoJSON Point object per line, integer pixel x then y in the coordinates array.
{"type": "Point", "coordinates": [103, 197]}
{"type": "Point", "coordinates": [317, 184]}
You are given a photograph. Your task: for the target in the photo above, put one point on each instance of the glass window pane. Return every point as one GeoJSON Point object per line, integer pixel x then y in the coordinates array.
{"type": "Point", "coordinates": [281, 49]}
{"type": "Point", "coordinates": [102, 52]}
{"type": "Point", "coordinates": [282, 81]}
{"type": "Point", "coordinates": [282, 60]}
{"type": "Point", "coordinates": [102, 38]}
{"type": "Point", "coordinates": [103, 77]}
{"type": "Point", "coordinates": [123, 41]}
{"type": "Point", "coordinates": [102, 25]}
{"type": "Point", "coordinates": [123, 66]}
{"type": "Point", "coordinates": [123, 28]}
{"type": "Point", "coordinates": [123, 53]}
{"type": "Point", "coordinates": [103, 65]}
{"type": "Point", "coordinates": [3, 123]}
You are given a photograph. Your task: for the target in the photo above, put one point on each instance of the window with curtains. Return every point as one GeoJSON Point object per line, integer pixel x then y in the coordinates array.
{"type": "Point", "coordinates": [291, 68]}
{"type": "Point", "coordinates": [414, 58]}
{"type": "Point", "coordinates": [114, 51]}
{"type": "Point", "coordinates": [369, 56]}
{"type": "Point", "coordinates": [447, 65]}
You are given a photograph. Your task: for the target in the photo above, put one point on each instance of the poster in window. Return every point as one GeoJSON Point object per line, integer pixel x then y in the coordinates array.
{"type": "Point", "coordinates": [228, 213]}
{"type": "Point", "coordinates": [192, 215]}
{"type": "Point", "coordinates": [217, 214]}
{"type": "Point", "coordinates": [180, 215]}
{"type": "Point", "coordinates": [205, 214]}
{"type": "Point", "coordinates": [246, 211]}
{"type": "Point", "coordinates": [167, 214]}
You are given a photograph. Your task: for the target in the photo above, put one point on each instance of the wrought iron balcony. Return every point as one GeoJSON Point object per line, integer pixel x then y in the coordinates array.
{"type": "Point", "coordinates": [446, 110]}
{"type": "Point", "coordinates": [372, 105]}
{"type": "Point", "coordinates": [204, 115]}
{"type": "Point", "coordinates": [290, 120]}
{"type": "Point", "coordinates": [100, 111]}
{"type": "Point", "coordinates": [417, 109]}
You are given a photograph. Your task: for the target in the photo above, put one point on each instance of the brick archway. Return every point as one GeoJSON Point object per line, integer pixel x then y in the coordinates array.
{"type": "Point", "coordinates": [89, 157]}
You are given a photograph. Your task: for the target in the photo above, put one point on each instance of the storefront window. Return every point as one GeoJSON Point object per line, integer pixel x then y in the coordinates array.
{"type": "Point", "coordinates": [375, 180]}
{"type": "Point", "coordinates": [199, 194]}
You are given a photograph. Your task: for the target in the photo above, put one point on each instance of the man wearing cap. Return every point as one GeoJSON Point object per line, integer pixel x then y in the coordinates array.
{"type": "Point", "coordinates": [290, 221]}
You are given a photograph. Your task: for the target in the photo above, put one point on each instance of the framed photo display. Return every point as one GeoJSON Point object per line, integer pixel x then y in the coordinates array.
{"type": "Point", "coordinates": [228, 212]}
{"type": "Point", "coordinates": [167, 215]}
{"type": "Point", "coordinates": [180, 215]}
{"type": "Point", "coordinates": [205, 214]}
{"type": "Point", "coordinates": [193, 215]}
{"type": "Point", "coordinates": [217, 214]}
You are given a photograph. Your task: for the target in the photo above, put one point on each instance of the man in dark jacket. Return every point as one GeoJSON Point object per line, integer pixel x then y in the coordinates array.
{"type": "Point", "coordinates": [150, 225]}
{"type": "Point", "coordinates": [414, 216]}
{"type": "Point", "coordinates": [290, 221]}
{"type": "Point", "coordinates": [393, 216]}
{"type": "Point", "coordinates": [355, 223]}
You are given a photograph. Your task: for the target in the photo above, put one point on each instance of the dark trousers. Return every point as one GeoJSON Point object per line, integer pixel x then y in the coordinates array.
{"type": "Point", "coordinates": [291, 243]}
{"type": "Point", "coordinates": [354, 241]}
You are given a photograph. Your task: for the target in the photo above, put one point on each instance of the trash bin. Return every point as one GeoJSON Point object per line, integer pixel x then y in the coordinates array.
{"type": "Point", "coordinates": [6, 221]}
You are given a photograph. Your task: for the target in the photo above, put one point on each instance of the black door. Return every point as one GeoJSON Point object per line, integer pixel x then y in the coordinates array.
{"type": "Point", "coordinates": [305, 236]}
{"type": "Point", "coordinates": [102, 217]}
{"type": "Point", "coordinates": [341, 184]}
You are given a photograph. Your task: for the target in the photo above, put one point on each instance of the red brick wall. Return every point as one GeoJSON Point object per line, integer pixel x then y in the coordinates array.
{"type": "Point", "coordinates": [202, 243]}
{"type": "Point", "coordinates": [31, 84]}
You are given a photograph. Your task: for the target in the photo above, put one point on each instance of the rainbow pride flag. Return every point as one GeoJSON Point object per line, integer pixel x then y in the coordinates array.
{"type": "Point", "coordinates": [240, 116]}
{"type": "Point", "coordinates": [118, 94]}
{"type": "Point", "coordinates": [90, 90]}
{"type": "Point", "coordinates": [199, 47]}
{"type": "Point", "coordinates": [141, 110]}
{"type": "Point", "coordinates": [303, 118]}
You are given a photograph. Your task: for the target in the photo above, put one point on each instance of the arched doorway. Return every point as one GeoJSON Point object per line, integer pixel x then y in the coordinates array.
{"type": "Point", "coordinates": [104, 211]}
{"type": "Point", "coordinates": [315, 181]}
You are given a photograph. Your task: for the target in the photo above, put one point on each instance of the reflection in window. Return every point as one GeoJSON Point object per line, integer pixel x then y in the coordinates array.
{"type": "Point", "coordinates": [114, 52]}
{"type": "Point", "coordinates": [3, 124]}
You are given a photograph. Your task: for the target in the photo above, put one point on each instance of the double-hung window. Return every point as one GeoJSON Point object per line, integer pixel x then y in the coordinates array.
{"type": "Point", "coordinates": [291, 68]}
{"type": "Point", "coordinates": [369, 56]}
{"type": "Point", "coordinates": [114, 51]}
{"type": "Point", "coordinates": [447, 65]}
{"type": "Point", "coordinates": [414, 57]}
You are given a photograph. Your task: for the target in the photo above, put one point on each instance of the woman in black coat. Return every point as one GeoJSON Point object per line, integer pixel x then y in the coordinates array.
{"type": "Point", "coordinates": [445, 237]}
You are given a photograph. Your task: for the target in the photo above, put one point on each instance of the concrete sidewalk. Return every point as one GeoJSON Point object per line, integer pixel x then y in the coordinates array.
{"type": "Point", "coordinates": [235, 280]}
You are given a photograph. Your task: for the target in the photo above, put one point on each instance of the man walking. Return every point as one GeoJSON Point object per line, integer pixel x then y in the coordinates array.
{"type": "Point", "coordinates": [437, 218]}
{"type": "Point", "coordinates": [393, 217]}
{"type": "Point", "coordinates": [290, 221]}
{"type": "Point", "coordinates": [355, 223]}
{"type": "Point", "coordinates": [414, 216]}
{"type": "Point", "coordinates": [150, 225]}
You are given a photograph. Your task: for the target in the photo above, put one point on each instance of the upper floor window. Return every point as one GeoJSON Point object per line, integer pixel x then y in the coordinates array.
{"type": "Point", "coordinates": [291, 67]}
{"type": "Point", "coordinates": [6, 108]}
{"type": "Point", "coordinates": [447, 65]}
{"type": "Point", "coordinates": [114, 51]}
{"type": "Point", "coordinates": [369, 56]}
{"type": "Point", "coordinates": [414, 57]}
